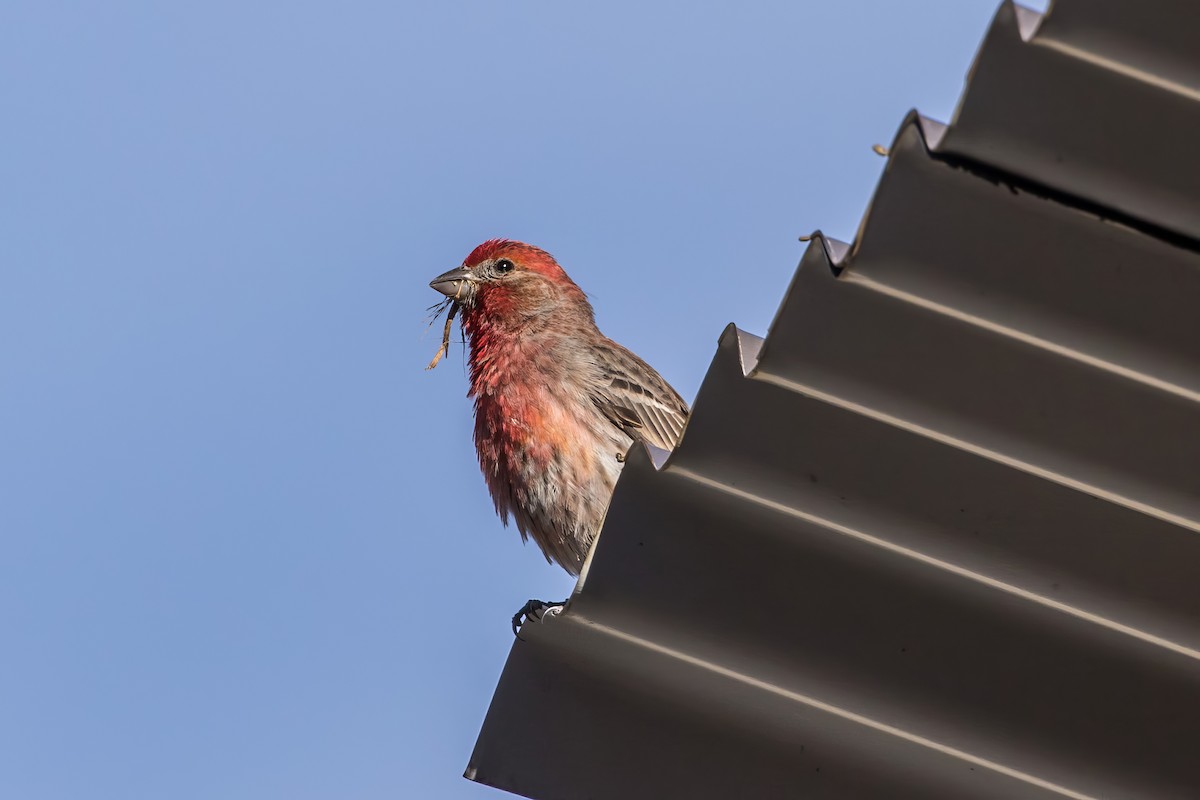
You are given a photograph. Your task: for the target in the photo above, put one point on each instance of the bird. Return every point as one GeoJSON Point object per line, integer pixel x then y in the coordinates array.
{"type": "Point", "coordinates": [557, 404]}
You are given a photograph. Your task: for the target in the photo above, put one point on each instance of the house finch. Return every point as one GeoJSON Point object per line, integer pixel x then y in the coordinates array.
{"type": "Point", "coordinates": [557, 403]}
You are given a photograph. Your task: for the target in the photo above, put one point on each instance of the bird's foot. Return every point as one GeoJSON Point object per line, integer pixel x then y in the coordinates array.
{"type": "Point", "coordinates": [535, 610]}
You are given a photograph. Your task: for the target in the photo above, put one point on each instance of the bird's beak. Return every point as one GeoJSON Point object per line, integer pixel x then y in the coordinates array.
{"type": "Point", "coordinates": [455, 284]}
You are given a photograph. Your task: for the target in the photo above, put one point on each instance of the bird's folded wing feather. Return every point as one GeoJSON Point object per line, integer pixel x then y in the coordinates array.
{"type": "Point", "coordinates": [637, 399]}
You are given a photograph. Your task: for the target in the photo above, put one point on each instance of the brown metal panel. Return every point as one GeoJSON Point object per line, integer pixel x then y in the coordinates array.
{"type": "Point", "coordinates": [1155, 37]}
{"type": "Point", "coordinates": [579, 715]}
{"type": "Point", "coordinates": [954, 375]}
{"type": "Point", "coordinates": [998, 525]}
{"type": "Point", "coordinates": [1039, 270]}
{"type": "Point", "coordinates": [1106, 136]}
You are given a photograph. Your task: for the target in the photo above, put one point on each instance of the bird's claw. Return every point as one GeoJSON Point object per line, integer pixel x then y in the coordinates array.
{"type": "Point", "coordinates": [535, 610]}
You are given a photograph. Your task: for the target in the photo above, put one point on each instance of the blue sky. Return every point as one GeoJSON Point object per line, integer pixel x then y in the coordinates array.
{"type": "Point", "coordinates": [246, 550]}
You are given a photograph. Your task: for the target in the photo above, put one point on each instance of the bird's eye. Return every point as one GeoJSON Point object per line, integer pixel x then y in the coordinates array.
{"type": "Point", "coordinates": [503, 265]}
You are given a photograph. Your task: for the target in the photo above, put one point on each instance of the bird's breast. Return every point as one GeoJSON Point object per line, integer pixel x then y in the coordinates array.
{"type": "Point", "coordinates": [525, 434]}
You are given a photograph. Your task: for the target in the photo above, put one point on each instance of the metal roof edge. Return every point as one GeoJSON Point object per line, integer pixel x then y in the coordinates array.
{"type": "Point", "coordinates": [932, 133]}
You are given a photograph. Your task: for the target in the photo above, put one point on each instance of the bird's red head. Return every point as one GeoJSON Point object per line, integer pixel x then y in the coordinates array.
{"type": "Point", "coordinates": [508, 283]}
{"type": "Point", "coordinates": [528, 256]}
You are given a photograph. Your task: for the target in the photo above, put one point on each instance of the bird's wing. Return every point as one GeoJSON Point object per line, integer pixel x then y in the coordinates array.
{"type": "Point", "coordinates": [637, 399]}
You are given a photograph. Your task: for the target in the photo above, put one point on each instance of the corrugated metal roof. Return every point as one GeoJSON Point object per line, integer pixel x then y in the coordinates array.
{"type": "Point", "coordinates": [937, 536]}
{"type": "Point", "coordinates": [1101, 101]}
